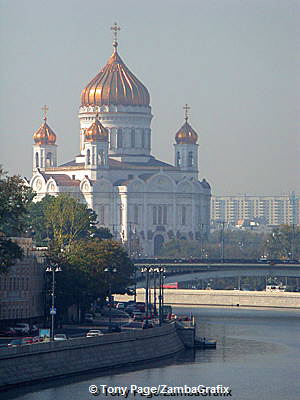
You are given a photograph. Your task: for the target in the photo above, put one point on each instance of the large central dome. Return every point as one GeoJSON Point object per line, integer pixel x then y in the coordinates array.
{"type": "Point", "coordinates": [115, 85]}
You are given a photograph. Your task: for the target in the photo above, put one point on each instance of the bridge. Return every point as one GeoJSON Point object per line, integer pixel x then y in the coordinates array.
{"type": "Point", "coordinates": [187, 271]}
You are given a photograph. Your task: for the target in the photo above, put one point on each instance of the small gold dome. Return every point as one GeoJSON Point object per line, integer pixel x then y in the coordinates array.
{"type": "Point", "coordinates": [96, 132]}
{"type": "Point", "coordinates": [116, 85]}
{"type": "Point", "coordinates": [186, 134]}
{"type": "Point", "coordinates": [44, 135]}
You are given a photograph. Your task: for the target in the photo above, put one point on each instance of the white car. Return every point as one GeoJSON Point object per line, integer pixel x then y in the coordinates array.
{"type": "Point", "coordinates": [22, 329]}
{"type": "Point", "coordinates": [94, 332]}
{"type": "Point", "coordinates": [59, 337]}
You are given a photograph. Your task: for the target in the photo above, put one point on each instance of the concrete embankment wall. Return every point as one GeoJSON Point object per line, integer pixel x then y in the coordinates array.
{"type": "Point", "coordinates": [46, 360]}
{"type": "Point", "coordinates": [182, 297]}
{"type": "Point", "coordinates": [232, 298]}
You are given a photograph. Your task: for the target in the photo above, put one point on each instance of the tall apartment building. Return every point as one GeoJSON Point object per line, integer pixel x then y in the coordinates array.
{"type": "Point", "coordinates": [268, 210]}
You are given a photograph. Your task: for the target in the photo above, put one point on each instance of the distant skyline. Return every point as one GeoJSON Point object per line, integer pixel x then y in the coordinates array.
{"type": "Point", "coordinates": [235, 62]}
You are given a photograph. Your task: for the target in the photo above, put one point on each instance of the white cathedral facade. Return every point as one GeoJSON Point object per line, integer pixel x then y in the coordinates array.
{"type": "Point", "coordinates": [144, 202]}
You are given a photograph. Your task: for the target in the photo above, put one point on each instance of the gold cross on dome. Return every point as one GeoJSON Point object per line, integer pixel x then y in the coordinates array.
{"type": "Point", "coordinates": [115, 28]}
{"type": "Point", "coordinates": [45, 109]}
{"type": "Point", "coordinates": [186, 109]}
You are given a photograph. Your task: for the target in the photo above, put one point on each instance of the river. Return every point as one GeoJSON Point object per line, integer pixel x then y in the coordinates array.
{"type": "Point", "coordinates": [257, 358]}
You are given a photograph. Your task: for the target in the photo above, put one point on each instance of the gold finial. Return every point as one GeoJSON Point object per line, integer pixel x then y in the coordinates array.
{"type": "Point", "coordinates": [186, 109]}
{"type": "Point", "coordinates": [115, 28]}
{"type": "Point", "coordinates": [45, 109]}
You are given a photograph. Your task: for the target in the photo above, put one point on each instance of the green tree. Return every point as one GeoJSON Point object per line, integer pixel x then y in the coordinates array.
{"type": "Point", "coordinates": [68, 220]}
{"type": "Point", "coordinates": [15, 196]}
{"type": "Point", "coordinates": [237, 244]}
{"type": "Point", "coordinates": [36, 220]}
{"type": "Point", "coordinates": [283, 242]}
{"type": "Point", "coordinates": [84, 279]}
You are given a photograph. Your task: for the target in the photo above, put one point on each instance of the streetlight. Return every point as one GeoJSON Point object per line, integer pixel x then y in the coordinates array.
{"type": "Point", "coordinates": [161, 271]}
{"type": "Point", "coordinates": [110, 270]}
{"type": "Point", "coordinates": [154, 293]}
{"type": "Point", "coordinates": [53, 269]}
{"type": "Point", "coordinates": [147, 270]}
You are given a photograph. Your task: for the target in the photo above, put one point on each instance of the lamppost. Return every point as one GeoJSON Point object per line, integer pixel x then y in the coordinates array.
{"type": "Point", "coordinates": [161, 271]}
{"type": "Point", "coordinates": [110, 271]}
{"type": "Point", "coordinates": [53, 269]}
{"type": "Point", "coordinates": [154, 293]}
{"type": "Point", "coordinates": [147, 269]}
{"type": "Point", "coordinates": [134, 298]}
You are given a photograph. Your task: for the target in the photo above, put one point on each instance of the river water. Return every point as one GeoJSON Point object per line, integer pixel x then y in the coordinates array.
{"type": "Point", "coordinates": [257, 358]}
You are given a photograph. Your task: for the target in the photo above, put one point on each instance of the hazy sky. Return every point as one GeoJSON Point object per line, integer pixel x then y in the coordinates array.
{"type": "Point", "coordinates": [235, 62]}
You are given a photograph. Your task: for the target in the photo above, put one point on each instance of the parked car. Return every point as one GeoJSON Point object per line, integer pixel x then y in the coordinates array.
{"type": "Point", "coordinates": [60, 337]}
{"type": "Point", "coordinates": [89, 318]}
{"type": "Point", "coordinates": [138, 316]}
{"type": "Point", "coordinates": [34, 329]}
{"type": "Point", "coordinates": [7, 332]}
{"type": "Point", "coordinates": [147, 324]}
{"type": "Point", "coordinates": [114, 328]}
{"type": "Point", "coordinates": [37, 339]}
{"type": "Point", "coordinates": [141, 306]}
{"type": "Point", "coordinates": [94, 332]}
{"type": "Point", "coordinates": [27, 340]}
{"type": "Point", "coordinates": [22, 329]}
{"type": "Point", "coordinates": [121, 306]}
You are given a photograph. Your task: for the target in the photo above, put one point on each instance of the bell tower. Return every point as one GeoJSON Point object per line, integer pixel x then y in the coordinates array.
{"type": "Point", "coordinates": [186, 147]}
{"type": "Point", "coordinates": [44, 147]}
{"type": "Point", "coordinates": [96, 146]}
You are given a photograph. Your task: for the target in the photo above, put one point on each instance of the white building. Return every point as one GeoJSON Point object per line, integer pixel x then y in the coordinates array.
{"type": "Point", "coordinates": [268, 210]}
{"type": "Point", "coordinates": [142, 200]}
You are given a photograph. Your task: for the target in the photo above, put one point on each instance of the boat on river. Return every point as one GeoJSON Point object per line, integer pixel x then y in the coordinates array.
{"type": "Point", "coordinates": [203, 343]}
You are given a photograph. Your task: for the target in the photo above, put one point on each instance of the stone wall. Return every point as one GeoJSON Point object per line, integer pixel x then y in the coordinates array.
{"type": "Point", "coordinates": [53, 359]}
{"type": "Point", "coordinates": [185, 297]}
{"type": "Point", "coordinates": [231, 298]}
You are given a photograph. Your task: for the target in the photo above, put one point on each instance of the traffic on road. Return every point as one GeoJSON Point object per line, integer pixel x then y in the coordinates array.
{"type": "Point", "coordinates": [126, 316]}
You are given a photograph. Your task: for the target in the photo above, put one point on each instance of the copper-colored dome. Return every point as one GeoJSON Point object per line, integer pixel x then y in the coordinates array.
{"type": "Point", "coordinates": [96, 132]}
{"type": "Point", "coordinates": [186, 135]}
{"type": "Point", "coordinates": [116, 85]}
{"type": "Point", "coordinates": [44, 135]}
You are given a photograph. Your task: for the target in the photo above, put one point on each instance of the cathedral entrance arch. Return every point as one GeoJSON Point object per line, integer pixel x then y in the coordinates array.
{"type": "Point", "coordinates": [158, 243]}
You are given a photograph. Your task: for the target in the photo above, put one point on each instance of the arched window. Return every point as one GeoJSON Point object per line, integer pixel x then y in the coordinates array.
{"type": "Point", "coordinates": [93, 155]}
{"type": "Point", "coordinates": [37, 164]}
{"type": "Point", "coordinates": [120, 139]}
{"type": "Point", "coordinates": [49, 161]}
{"type": "Point", "coordinates": [101, 160]}
{"type": "Point", "coordinates": [88, 157]}
{"type": "Point", "coordinates": [158, 243]}
{"type": "Point", "coordinates": [132, 138]}
{"type": "Point", "coordinates": [190, 159]}
{"type": "Point", "coordinates": [178, 159]}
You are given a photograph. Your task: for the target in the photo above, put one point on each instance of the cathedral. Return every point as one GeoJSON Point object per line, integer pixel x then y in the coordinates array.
{"type": "Point", "coordinates": [144, 202]}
